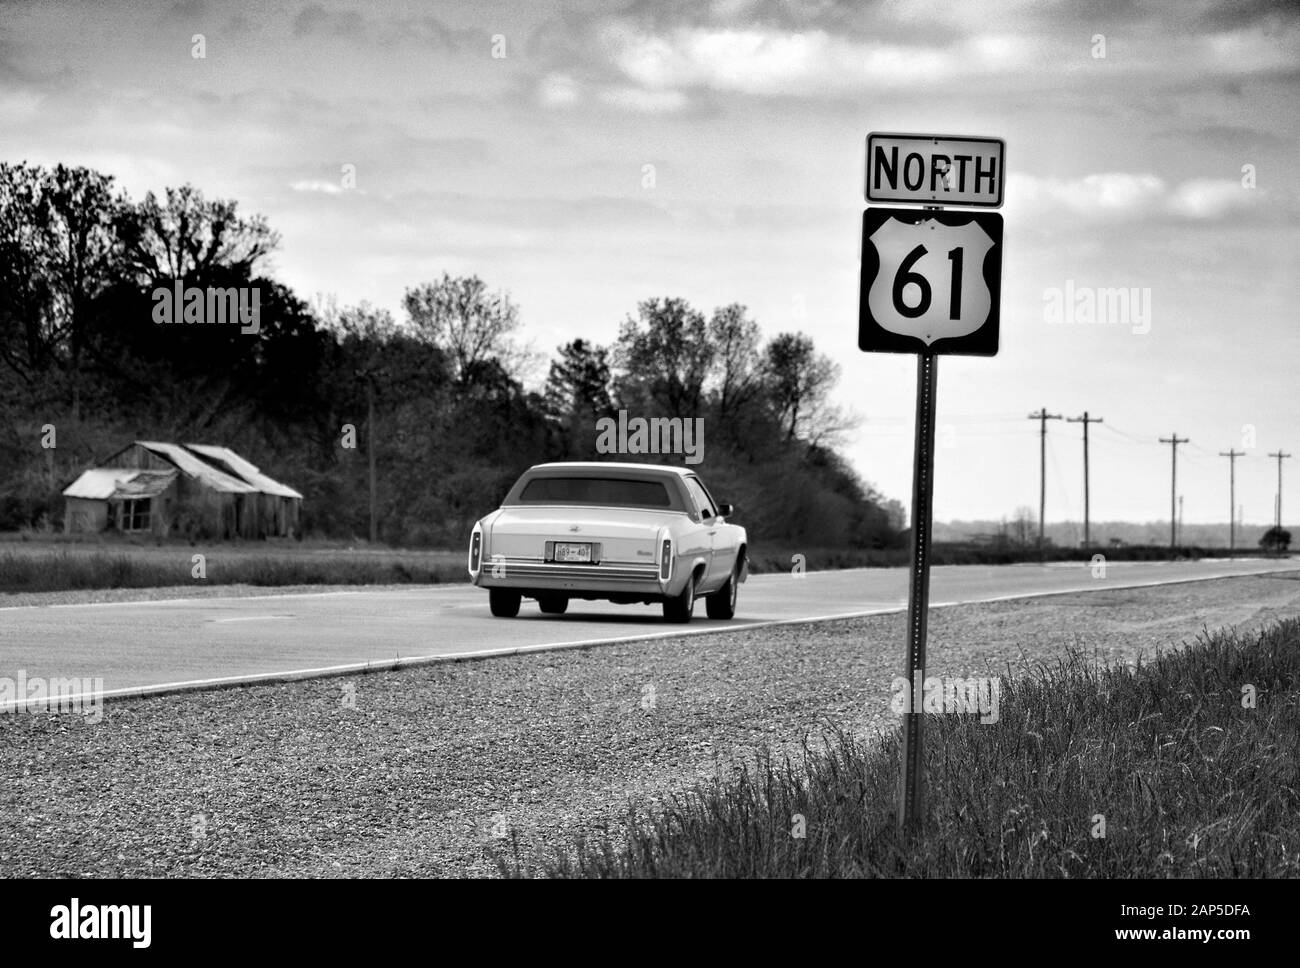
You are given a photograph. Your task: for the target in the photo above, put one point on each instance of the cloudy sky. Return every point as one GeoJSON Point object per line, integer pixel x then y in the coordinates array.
{"type": "Point", "coordinates": [1149, 147]}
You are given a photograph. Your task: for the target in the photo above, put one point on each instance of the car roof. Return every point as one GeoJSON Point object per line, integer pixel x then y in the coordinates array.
{"type": "Point", "coordinates": [617, 466]}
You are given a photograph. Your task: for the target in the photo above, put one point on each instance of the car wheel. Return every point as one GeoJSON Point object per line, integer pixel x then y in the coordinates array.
{"type": "Point", "coordinates": [504, 602]}
{"type": "Point", "coordinates": [553, 604]}
{"type": "Point", "coordinates": [722, 603]}
{"type": "Point", "coordinates": [680, 607]}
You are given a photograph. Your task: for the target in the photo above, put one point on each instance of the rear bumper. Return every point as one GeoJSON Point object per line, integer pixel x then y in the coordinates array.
{"type": "Point", "coordinates": [606, 579]}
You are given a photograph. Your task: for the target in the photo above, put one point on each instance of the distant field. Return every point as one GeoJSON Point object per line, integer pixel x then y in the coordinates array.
{"type": "Point", "coordinates": [58, 565]}
{"type": "Point", "coordinates": [768, 560]}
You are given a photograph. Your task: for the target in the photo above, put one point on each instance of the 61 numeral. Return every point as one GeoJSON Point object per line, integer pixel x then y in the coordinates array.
{"type": "Point", "coordinates": [904, 275]}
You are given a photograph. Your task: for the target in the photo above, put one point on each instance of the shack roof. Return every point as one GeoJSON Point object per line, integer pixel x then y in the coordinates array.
{"type": "Point", "coordinates": [240, 468]}
{"type": "Point", "coordinates": [106, 483]}
{"type": "Point", "coordinates": [145, 484]}
{"type": "Point", "coordinates": [196, 468]}
{"type": "Point", "coordinates": [98, 483]}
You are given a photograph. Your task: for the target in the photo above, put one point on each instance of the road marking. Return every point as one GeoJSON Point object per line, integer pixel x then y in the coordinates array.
{"type": "Point", "coordinates": [389, 665]}
{"type": "Point", "coordinates": [247, 618]}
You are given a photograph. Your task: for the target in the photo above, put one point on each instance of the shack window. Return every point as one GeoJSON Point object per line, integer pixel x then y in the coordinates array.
{"type": "Point", "coordinates": [135, 515]}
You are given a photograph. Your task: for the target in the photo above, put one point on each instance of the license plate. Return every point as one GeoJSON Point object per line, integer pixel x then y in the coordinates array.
{"type": "Point", "coordinates": [570, 551]}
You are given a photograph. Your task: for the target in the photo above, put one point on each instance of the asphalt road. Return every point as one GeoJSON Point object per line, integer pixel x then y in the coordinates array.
{"type": "Point", "coordinates": [135, 644]}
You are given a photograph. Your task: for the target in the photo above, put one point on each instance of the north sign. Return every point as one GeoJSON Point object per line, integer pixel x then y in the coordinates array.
{"type": "Point", "coordinates": [935, 170]}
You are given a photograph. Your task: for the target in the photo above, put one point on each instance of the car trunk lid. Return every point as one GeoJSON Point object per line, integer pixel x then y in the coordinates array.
{"type": "Point", "coordinates": [624, 534]}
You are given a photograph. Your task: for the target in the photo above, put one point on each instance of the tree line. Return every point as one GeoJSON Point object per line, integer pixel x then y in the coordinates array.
{"type": "Point", "coordinates": [402, 428]}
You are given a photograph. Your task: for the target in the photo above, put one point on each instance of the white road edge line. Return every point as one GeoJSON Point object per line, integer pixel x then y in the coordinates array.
{"type": "Point", "coordinates": [389, 665]}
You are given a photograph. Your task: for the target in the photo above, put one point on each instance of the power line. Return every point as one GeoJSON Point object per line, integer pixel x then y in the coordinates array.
{"type": "Point", "coordinates": [1131, 438]}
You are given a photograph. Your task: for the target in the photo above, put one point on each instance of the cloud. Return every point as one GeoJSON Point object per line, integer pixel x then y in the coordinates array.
{"type": "Point", "coordinates": [762, 61]}
{"type": "Point", "coordinates": [187, 10]}
{"type": "Point", "coordinates": [647, 101]}
{"type": "Point", "coordinates": [18, 106]}
{"type": "Point", "coordinates": [1235, 13]}
{"type": "Point", "coordinates": [755, 54]}
{"type": "Point", "coordinates": [1125, 195]}
{"type": "Point", "coordinates": [564, 91]}
{"type": "Point", "coordinates": [315, 20]}
{"type": "Point", "coordinates": [317, 185]}
{"type": "Point", "coordinates": [1207, 198]}
{"type": "Point", "coordinates": [558, 90]}
{"type": "Point", "coordinates": [1092, 194]}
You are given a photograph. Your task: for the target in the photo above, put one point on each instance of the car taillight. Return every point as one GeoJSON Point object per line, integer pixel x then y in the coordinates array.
{"type": "Point", "coordinates": [475, 550]}
{"type": "Point", "coordinates": [666, 560]}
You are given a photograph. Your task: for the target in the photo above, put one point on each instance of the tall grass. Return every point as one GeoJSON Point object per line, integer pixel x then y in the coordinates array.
{"type": "Point", "coordinates": [1187, 781]}
{"type": "Point", "coordinates": [60, 570]}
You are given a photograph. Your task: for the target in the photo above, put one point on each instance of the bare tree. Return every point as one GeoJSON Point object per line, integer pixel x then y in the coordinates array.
{"type": "Point", "coordinates": [799, 381]}
{"type": "Point", "coordinates": [188, 234]}
{"type": "Point", "coordinates": [58, 235]}
{"type": "Point", "coordinates": [365, 332]}
{"type": "Point", "coordinates": [664, 358]}
{"type": "Point", "coordinates": [471, 323]}
{"type": "Point", "coordinates": [735, 339]}
{"type": "Point", "coordinates": [1024, 525]}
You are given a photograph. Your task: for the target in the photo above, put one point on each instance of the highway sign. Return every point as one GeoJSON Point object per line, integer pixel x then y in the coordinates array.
{"type": "Point", "coordinates": [931, 282]}
{"type": "Point", "coordinates": [935, 169]}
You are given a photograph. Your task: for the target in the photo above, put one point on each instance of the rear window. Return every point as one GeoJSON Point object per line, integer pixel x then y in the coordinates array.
{"type": "Point", "coordinates": [602, 491]}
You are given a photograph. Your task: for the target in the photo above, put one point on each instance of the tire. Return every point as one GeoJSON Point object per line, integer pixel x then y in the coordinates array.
{"type": "Point", "coordinates": [554, 604]}
{"type": "Point", "coordinates": [680, 607]}
{"type": "Point", "coordinates": [722, 603]}
{"type": "Point", "coordinates": [504, 602]}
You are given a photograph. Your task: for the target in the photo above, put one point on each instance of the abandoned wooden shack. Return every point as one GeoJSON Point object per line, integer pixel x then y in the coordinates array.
{"type": "Point", "coordinates": [168, 489]}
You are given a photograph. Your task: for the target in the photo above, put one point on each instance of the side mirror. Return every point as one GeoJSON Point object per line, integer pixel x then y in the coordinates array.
{"type": "Point", "coordinates": [725, 510]}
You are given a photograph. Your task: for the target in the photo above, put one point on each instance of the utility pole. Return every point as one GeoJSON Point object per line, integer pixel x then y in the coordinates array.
{"type": "Point", "coordinates": [1232, 456]}
{"type": "Point", "coordinates": [1085, 420]}
{"type": "Point", "coordinates": [1280, 457]}
{"type": "Point", "coordinates": [1042, 416]}
{"type": "Point", "coordinates": [1174, 441]}
{"type": "Point", "coordinates": [370, 456]}
{"type": "Point", "coordinates": [1181, 539]}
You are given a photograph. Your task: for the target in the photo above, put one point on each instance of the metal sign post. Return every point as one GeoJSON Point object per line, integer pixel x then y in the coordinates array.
{"type": "Point", "coordinates": [930, 284]}
{"type": "Point", "coordinates": [918, 594]}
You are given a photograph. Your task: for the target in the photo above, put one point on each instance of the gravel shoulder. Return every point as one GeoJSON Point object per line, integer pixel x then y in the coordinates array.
{"type": "Point", "coordinates": [415, 773]}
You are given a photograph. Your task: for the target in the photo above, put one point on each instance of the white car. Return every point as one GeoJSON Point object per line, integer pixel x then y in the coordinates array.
{"type": "Point", "coordinates": [624, 533]}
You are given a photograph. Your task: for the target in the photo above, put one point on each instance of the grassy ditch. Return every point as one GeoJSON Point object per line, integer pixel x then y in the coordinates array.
{"type": "Point", "coordinates": [60, 569]}
{"type": "Point", "coordinates": [1186, 766]}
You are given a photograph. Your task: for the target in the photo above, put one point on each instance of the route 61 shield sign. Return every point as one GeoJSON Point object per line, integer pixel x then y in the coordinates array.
{"type": "Point", "coordinates": [931, 282]}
